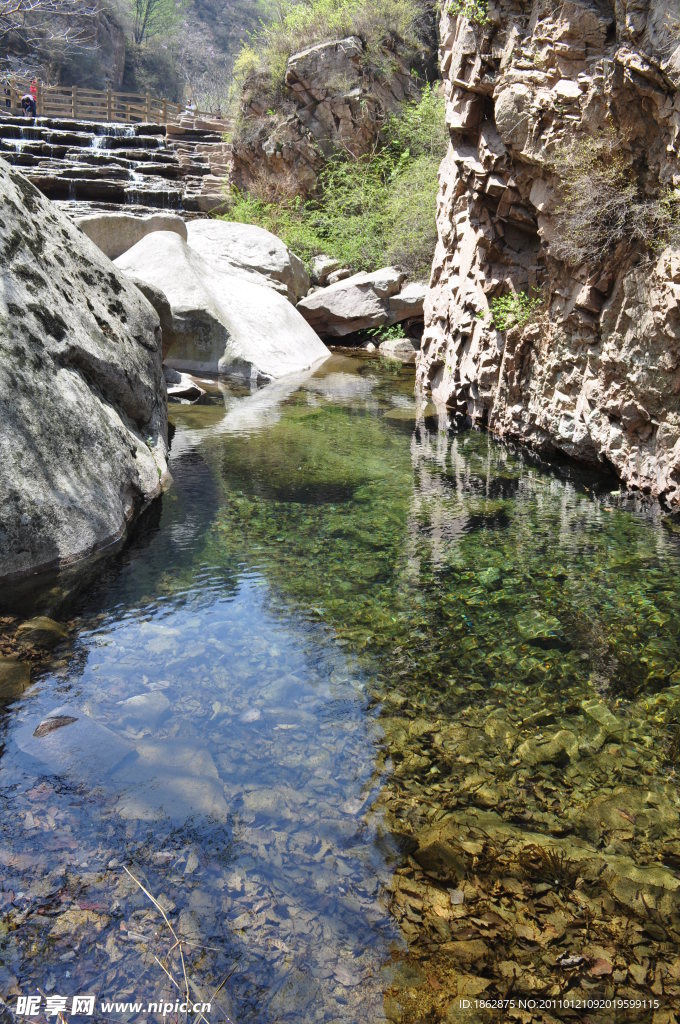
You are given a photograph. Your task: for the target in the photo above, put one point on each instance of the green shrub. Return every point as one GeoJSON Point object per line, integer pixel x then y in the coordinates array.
{"type": "Point", "coordinates": [474, 10]}
{"type": "Point", "coordinates": [516, 309]}
{"type": "Point", "coordinates": [372, 211]}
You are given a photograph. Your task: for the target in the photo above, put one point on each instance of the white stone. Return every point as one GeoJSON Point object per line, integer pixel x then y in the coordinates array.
{"type": "Point", "coordinates": [115, 233]}
{"type": "Point", "coordinates": [355, 304]}
{"type": "Point", "coordinates": [222, 321]}
{"type": "Point", "coordinates": [231, 247]}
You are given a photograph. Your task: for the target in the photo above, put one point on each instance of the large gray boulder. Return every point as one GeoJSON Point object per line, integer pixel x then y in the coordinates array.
{"type": "Point", "coordinates": [223, 322]}
{"type": "Point", "coordinates": [233, 247]}
{"type": "Point", "coordinates": [83, 420]}
{"type": "Point", "coordinates": [363, 301]}
{"type": "Point", "coordinates": [115, 233]}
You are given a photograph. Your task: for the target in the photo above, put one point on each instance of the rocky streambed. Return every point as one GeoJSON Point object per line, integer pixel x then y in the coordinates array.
{"type": "Point", "coordinates": [384, 720]}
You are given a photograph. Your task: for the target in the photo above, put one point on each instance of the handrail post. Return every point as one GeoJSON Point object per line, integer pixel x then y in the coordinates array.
{"type": "Point", "coordinates": [109, 104]}
{"type": "Point", "coordinates": [39, 98]}
{"type": "Point", "coordinates": [74, 102]}
{"type": "Point", "coordinates": [148, 107]}
{"type": "Point", "coordinates": [165, 111]}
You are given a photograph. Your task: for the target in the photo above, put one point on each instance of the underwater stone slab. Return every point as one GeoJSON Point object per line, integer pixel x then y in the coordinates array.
{"type": "Point", "coordinates": [82, 750]}
{"type": "Point", "coordinates": [42, 631]}
{"type": "Point", "coordinates": [15, 676]}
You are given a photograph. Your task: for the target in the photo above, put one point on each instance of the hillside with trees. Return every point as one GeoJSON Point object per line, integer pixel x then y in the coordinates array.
{"type": "Point", "coordinates": [173, 48]}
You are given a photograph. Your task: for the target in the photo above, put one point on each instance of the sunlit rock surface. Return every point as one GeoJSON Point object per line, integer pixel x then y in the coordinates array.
{"type": "Point", "coordinates": [596, 374]}
{"type": "Point", "coordinates": [83, 421]}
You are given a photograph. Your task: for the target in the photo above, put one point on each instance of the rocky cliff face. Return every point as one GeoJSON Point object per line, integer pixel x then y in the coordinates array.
{"type": "Point", "coordinates": [332, 103]}
{"type": "Point", "coordinates": [83, 419]}
{"type": "Point", "coordinates": [596, 372]}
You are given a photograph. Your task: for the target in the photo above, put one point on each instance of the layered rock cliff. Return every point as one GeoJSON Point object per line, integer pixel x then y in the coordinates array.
{"type": "Point", "coordinates": [533, 91]}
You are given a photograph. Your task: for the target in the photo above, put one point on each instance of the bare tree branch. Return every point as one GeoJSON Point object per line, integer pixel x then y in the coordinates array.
{"type": "Point", "coordinates": [35, 32]}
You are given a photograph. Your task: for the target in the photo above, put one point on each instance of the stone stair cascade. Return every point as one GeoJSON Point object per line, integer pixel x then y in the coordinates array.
{"type": "Point", "coordinates": [89, 166]}
{"type": "Point", "coordinates": [205, 158]}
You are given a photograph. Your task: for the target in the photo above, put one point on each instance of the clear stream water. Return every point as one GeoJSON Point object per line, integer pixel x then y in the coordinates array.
{"type": "Point", "coordinates": [384, 719]}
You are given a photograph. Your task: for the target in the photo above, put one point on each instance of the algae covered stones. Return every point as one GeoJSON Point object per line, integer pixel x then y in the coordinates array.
{"type": "Point", "coordinates": [83, 422]}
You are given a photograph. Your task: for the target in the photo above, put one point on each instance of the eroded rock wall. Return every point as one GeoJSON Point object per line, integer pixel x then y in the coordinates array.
{"type": "Point", "coordinates": [597, 374]}
{"type": "Point", "coordinates": [332, 103]}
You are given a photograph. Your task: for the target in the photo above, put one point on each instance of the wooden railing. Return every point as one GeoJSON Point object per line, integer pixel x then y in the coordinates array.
{"type": "Point", "coordinates": [90, 104]}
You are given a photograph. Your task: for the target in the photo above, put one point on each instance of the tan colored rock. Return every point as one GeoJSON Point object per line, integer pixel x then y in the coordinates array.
{"type": "Point", "coordinates": [115, 233]}
{"type": "Point", "coordinates": [362, 301]}
{"type": "Point", "coordinates": [595, 377]}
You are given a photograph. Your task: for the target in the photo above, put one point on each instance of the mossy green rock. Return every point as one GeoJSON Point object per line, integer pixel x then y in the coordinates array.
{"type": "Point", "coordinates": [14, 678]}
{"type": "Point", "coordinates": [41, 631]}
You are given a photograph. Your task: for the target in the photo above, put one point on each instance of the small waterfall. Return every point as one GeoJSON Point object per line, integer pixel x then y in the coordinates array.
{"type": "Point", "coordinates": [98, 142]}
{"type": "Point", "coordinates": [133, 195]}
{"type": "Point", "coordinates": [18, 144]}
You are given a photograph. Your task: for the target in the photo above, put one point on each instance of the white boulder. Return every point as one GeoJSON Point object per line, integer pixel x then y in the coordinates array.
{"type": "Point", "coordinates": [115, 233]}
{"type": "Point", "coordinates": [233, 247]}
{"type": "Point", "coordinates": [222, 322]}
{"type": "Point", "coordinates": [363, 301]}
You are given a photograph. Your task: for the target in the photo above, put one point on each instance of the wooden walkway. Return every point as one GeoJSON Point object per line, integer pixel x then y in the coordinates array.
{"type": "Point", "coordinates": [91, 104]}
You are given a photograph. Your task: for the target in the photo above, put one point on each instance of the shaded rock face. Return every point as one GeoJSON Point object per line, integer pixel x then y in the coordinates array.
{"type": "Point", "coordinates": [222, 322]}
{"type": "Point", "coordinates": [595, 375]}
{"type": "Point", "coordinates": [332, 104]}
{"type": "Point", "coordinates": [83, 421]}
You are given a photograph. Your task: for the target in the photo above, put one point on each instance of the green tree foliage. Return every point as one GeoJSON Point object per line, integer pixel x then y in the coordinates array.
{"type": "Point", "coordinates": [373, 211]}
{"type": "Point", "coordinates": [474, 10]}
{"type": "Point", "coordinates": [154, 18]}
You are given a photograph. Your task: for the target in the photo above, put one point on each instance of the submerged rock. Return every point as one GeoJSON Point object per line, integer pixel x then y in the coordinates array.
{"type": "Point", "coordinates": [558, 748]}
{"type": "Point", "coordinates": [41, 631]}
{"type": "Point", "coordinates": [72, 744]}
{"type": "Point", "coordinates": [221, 321]}
{"type": "Point", "coordinates": [14, 678]}
{"type": "Point", "coordinates": [83, 421]}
